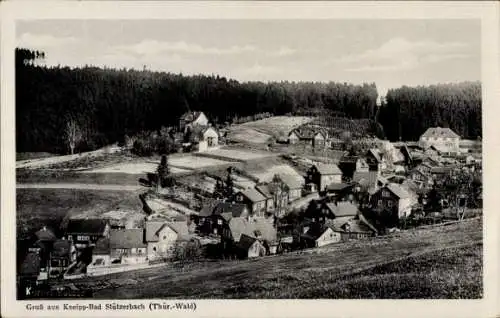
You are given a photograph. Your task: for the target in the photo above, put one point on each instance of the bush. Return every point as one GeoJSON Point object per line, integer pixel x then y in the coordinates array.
{"type": "Point", "coordinates": [187, 251]}
{"type": "Point", "coordinates": [147, 144]}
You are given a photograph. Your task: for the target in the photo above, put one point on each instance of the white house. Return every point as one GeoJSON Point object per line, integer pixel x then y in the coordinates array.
{"type": "Point", "coordinates": [316, 236]}
{"type": "Point", "coordinates": [209, 138]}
{"type": "Point", "coordinates": [444, 139]}
{"type": "Point", "coordinates": [161, 237]}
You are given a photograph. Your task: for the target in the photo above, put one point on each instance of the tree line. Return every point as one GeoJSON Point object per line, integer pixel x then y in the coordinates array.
{"type": "Point", "coordinates": [98, 106]}
{"type": "Point", "coordinates": [406, 112]}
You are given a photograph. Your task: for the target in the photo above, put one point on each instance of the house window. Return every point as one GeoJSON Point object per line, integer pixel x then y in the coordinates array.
{"type": "Point", "coordinates": [389, 204]}
{"type": "Point", "coordinates": [380, 202]}
{"type": "Point", "coordinates": [385, 194]}
{"type": "Point", "coordinates": [215, 230]}
{"type": "Point", "coordinates": [219, 221]}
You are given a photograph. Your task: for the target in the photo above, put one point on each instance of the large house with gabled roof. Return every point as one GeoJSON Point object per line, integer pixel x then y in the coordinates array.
{"type": "Point", "coordinates": [443, 139]}
{"type": "Point", "coordinates": [314, 136]}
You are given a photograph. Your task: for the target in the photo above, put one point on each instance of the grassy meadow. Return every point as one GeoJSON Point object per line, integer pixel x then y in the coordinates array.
{"type": "Point", "coordinates": [438, 263]}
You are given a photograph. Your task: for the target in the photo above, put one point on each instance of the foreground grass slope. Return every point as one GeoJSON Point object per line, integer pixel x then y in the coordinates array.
{"type": "Point", "coordinates": [439, 262]}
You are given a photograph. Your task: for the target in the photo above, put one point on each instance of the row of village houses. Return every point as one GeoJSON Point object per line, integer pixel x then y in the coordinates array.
{"type": "Point", "coordinates": [245, 223]}
{"type": "Point", "coordinates": [196, 131]}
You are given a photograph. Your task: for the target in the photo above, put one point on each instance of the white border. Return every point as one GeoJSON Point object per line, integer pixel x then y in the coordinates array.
{"type": "Point", "coordinates": [486, 11]}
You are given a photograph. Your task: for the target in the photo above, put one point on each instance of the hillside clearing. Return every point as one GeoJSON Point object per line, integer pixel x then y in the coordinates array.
{"type": "Point", "coordinates": [261, 131]}
{"type": "Point", "coordinates": [439, 262]}
{"type": "Point", "coordinates": [278, 124]}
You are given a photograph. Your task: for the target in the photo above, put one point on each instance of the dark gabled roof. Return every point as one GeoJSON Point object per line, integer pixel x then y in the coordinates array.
{"type": "Point", "coordinates": [358, 226]}
{"type": "Point", "coordinates": [338, 186]}
{"type": "Point", "coordinates": [439, 132]}
{"type": "Point", "coordinates": [264, 189]}
{"type": "Point", "coordinates": [254, 227]}
{"type": "Point", "coordinates": [86, 226]}
{"type": "Point", "coordinates": [246, 242]}
{"type": "Point", "coordinates": [127, 238]}
{"type": "Point", "coordinates": [328, 169]}
{"type": "Point", "coordinates": [101, 246]}
{"type": "Point", "coordinates": [398, 190]}
{"type": "Point", "coordinates": [290, 181]}
{"type": "Point", "coordinates": [235, 209]}
{"type": "Point", "coordinates": [374, 153]}
{"type": "Point", "coordinates": [45, 234]}
{"type": "Point", "coordinates": [61, 248]}
{"type": "Point", "coordinates": [341, 209]}
{"type": "Point", "coordinates": [30, 265]}
{"type": "Point", "coordinates": [307, 132]}
{"type": "Point", "coordinates": [315, 232]}
{"type": "Point", "coordinates": [349, 159]}
{"type": "Point", "coordinates": [253, 195]}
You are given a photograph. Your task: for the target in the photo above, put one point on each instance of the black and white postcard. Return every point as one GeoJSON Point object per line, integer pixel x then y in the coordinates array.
{"type": "Point", "coordinates": [247, 159]}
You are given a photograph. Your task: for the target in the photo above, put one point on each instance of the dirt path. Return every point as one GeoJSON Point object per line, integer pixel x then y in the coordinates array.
{"type": "Point", "coordinates": [81, 186]}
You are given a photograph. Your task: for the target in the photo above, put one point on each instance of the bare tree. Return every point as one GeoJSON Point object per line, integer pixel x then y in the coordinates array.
{"type": "Point", "coordinates": [73, 134]}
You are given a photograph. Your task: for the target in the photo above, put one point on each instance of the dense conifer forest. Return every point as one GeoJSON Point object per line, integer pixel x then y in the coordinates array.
{"type": "Point", "coordinates": [107, 104]}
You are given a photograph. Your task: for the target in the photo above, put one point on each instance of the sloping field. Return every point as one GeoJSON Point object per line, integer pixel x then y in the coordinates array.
{"type": "Point", "coordinates": [260, 131]}
{"type": "Point", "coordinates": [439, 262]}
{"type": "Point", "coordinates": [266, 168]}
{"type": "Point", "coordinates": [268, 174]}
{"type": "Point", "coordinates": [248, 135]}
{"type": "Point", "coordinates": [278, 124]}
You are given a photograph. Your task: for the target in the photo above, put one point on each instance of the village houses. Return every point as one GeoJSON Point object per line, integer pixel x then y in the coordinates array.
{"type": "Point", "coordinates": [214, 217]}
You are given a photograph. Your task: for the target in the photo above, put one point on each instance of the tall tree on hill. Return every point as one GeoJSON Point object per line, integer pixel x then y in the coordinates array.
{"type": "Point", "coordinates": [73, 134]}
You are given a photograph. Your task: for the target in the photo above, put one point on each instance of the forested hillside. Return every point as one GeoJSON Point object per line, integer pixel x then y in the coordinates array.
{"type": "Point", "coordinates": [107, 104]}
{"type": "Point", "coordinates": [408, 111]}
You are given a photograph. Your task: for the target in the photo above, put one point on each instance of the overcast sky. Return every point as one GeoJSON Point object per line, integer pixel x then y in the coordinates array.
{"type": "Point", "coordinates": [390, 53]}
